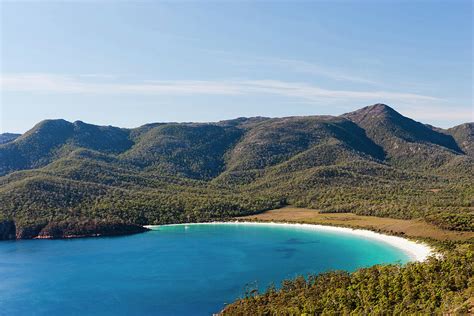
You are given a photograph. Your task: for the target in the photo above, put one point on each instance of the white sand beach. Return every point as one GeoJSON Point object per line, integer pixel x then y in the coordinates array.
{"type": "Point", "coordinates": [417, 251]}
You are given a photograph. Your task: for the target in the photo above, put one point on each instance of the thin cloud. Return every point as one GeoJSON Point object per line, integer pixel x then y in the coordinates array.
{"type": "Point", "coordinates": [312, 68]}
{"type": "Point", "coordinates": [298, 66]}
{"type": "Point", "coordinates": [311, 92]}
{"type": "Point", "coordinates": [49, 83]}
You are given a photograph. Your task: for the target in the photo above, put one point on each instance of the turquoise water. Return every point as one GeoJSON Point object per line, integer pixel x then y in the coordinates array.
{"type": "Point", "coordinates": [174, 270]}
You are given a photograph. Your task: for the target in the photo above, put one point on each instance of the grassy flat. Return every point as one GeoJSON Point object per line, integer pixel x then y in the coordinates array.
{"type": "Point", "coordinates": [411, 228]}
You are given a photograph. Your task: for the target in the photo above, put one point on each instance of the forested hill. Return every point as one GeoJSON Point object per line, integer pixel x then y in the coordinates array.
{"type": "Point", "coordinates": [372, 161]}
{"type": "Point", "coordinates": [8, 137]}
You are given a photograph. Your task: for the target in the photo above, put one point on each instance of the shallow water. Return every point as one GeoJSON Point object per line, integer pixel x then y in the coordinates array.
{"type": "Point", "coordinates": [174, 270]}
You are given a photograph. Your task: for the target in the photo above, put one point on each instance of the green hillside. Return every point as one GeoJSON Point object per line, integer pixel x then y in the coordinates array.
{"type": "Point", "coordinates": [8, 137]}
{"type": "Point", "coordinates": [464, 136]}
{"type": "Point", "coordinates": [373, 161]}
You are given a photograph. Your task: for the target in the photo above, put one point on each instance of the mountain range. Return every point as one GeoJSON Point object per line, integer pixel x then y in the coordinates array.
{"type": "Point", "coordinates": [61, 176]}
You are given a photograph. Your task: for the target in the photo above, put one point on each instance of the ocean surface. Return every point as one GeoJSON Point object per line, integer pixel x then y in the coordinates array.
{"type": "Point", "coordinates": [173, 270]}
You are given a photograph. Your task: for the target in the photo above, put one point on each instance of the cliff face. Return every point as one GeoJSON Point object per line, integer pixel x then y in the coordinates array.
{"type": "Point", "coordinates": [89, 228]}
{"type": "Point", "coordinates": [71, 229]}
{"type": "Point", "coordinates": [7, 230]}
{"type": "Point", "coordinates": [28, 231]}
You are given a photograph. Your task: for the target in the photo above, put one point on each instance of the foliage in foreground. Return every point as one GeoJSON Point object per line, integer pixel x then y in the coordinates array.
{"type": "Point", "coordinates": [436, 286]}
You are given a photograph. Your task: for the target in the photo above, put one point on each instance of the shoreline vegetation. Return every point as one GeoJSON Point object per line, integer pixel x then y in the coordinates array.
{"type": "Point", "coordinates": [417, 229]}
{"type": "Point", "coordinates": [438, 281]}
{"type": "Point", "coordinates": [68, 229]}
{"type": "Point", "coordinates": [433, 287]}
{"type": "Point", "coordinates": [417, 251]}
{"type": "Point", "coordinates": [441, 283]}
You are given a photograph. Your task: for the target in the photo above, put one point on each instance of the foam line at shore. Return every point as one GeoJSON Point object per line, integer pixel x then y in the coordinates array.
{"type": "Point", "coordinates": [417, 251]}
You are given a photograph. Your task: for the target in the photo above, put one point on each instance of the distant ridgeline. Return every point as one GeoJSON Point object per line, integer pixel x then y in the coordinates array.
{"type": "Point", "coordinates": [8, 137]}
{"type": "Point", "coordinates": [63, 179]}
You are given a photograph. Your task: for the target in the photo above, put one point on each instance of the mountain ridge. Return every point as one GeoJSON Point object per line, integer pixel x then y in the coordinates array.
{"type": "Point", "coordinates": [372, 161]}
{"type": "Point", "coordinates": [82, 135]}
{"type": "Point", "coordinates": [8, 137]}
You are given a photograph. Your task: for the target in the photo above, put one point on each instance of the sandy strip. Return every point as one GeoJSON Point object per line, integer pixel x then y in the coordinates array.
{"type": "Point", "coordinates": [417, 251]}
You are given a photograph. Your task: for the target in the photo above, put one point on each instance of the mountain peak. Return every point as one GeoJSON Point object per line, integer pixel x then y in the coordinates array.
{"type": "Point", "coordinates": [375, 110]}
{"type": "Point", "coordinates": [388, 128]}
{"type": "Point", "coordinates": [51, 126]}
{"type": "Point", "coordinates": [379, 107]}
{"type": "Point", "coordinates": [374, 114]}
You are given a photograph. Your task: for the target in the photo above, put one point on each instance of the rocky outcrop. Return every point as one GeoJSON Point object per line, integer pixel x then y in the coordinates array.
{"type": "Point", "coordinates": [7, 230]}
{"type": "Point", "coordinates": [89, 228]}
{"type": "Point", "coordinates": [67, 229]}
{"type": "Point", "coordinates": [28, 231]}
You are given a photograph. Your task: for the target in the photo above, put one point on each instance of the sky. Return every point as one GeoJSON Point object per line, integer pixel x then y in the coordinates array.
{"type": "Point", "coordinates": [127, 63]}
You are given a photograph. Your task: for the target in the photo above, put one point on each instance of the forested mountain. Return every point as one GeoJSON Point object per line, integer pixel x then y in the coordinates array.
{"type": "Point", "coordinates": [407, 143]}
{"type": "Point", "coordinates": [464, 136]}
{"type": "Point", "coordinates": [8, 137]}
{"type": "Point", "coordinates": [372, 161]}
{"type": "Point", "coordinates": [50, 140]}
{"type": "Point", "coordinates": [190, 150]}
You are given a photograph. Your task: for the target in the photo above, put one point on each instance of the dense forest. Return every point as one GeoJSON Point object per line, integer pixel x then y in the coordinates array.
{"type": "Point", "coordinates": [373, 161]}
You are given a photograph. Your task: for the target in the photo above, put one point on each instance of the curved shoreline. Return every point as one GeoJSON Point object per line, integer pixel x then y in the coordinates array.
{"type": "Point", "coordinates": [417, 251]}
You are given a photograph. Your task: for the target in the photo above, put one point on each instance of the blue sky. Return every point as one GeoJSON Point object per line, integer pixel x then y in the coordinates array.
{"type": "Point", "coordinates": [131, 63]}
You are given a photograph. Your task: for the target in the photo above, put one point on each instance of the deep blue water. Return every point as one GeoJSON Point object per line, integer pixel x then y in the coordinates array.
{"type": "Point", "coordinates": [175, 270]}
